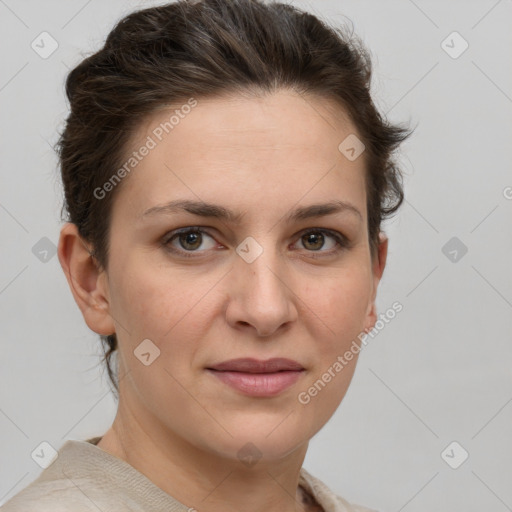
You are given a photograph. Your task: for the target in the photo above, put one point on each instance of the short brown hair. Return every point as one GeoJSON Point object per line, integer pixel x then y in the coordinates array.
{"type": "Point", "coordinates": [169, 53]}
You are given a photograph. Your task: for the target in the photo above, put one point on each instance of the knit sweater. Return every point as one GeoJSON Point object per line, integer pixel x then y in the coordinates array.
{"type": "Point", "coordinates": [86, 478]}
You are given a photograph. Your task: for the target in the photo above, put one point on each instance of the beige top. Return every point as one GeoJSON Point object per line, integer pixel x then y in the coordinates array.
{"type": "Point", "coordinates": [85, 478]}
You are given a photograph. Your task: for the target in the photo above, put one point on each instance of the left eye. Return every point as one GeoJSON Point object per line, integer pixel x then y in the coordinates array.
{"type": "Point", "coordinates": [190, 239]}
{"type": "Point", "coordinates": [313, 238]}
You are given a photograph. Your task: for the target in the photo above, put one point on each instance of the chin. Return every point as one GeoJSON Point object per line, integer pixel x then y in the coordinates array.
{"type": "Point", "coordinates": [253, 440]}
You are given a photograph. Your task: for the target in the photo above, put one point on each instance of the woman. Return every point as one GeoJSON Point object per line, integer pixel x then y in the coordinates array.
{"type": "Point", "coordinates": [226, 174]}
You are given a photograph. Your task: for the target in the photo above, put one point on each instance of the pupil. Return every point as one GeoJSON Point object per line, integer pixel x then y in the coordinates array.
{"type": "Point", "coordinates": [191, 238]}
{"type": "Point", "coordinates": [312, 237]}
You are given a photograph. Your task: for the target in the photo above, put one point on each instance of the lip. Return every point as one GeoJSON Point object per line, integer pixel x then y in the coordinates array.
{"type": "Point", "coordinates": [258, 378]}
{"type": "Point", "coordinates": [250, 365]}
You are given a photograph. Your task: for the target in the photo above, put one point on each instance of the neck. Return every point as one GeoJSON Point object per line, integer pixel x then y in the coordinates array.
{"type": "Point", "coordinates": [201, 479]}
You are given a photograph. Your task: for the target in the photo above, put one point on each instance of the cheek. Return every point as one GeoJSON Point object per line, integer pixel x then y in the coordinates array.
{"type": "Point", "coordinates": [166, 306]}
{"type": "Point", "coordinates": [146, 293]}
{"type": "Point", "coordinates": [340, 301]}
{"type": "Point", "coordinates": [341, 309]}
{"type": "Point", "coordinates": [158, 305]}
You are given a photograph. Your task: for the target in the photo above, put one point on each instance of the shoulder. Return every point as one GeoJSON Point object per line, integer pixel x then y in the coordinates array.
{"type": "Point", "coordinates": [327, 499]}
{"type": "Point", "coordinates": [350, 507]}
{"type": "Point", "coordinates": [52, 496]}
{"type": "Point", "coordinates": [85, 478]}
{"type": "Point", "coordinates": [64, 485]}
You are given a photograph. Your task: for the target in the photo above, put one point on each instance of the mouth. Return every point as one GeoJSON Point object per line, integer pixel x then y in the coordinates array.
{"type": "Point", "coordinates": [258, 378]}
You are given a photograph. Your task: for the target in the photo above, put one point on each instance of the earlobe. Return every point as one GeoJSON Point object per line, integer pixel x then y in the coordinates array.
{"type": "Point", "coordinates": [86, 282]}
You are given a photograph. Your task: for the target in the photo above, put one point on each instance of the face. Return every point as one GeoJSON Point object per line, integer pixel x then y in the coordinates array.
{"type": "Point", "coordinates": [263, 284]}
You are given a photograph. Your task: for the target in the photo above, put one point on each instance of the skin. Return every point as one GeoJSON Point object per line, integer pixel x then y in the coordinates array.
{"type": "Point", "coordinates": [176, 423]}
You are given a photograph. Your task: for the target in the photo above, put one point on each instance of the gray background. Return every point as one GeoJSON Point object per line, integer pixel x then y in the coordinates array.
{"type": "Point", "coordinates": [438, 373]}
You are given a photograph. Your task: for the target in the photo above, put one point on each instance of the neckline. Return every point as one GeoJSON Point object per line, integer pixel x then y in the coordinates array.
{"type": "Point", "coordinates": [305, 479]}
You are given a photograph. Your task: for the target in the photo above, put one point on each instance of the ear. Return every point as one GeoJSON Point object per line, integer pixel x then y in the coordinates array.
{"type": "Point", "coordinates": [88, 285]}
{"type": "Point", "coordinates": [378, 265]}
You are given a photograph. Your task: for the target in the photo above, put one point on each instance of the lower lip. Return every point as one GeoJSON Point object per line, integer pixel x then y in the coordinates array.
{"type": "Point", "coordinates": [259, 384]}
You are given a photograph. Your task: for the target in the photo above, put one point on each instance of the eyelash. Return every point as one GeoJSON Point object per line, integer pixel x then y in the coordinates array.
{"type": "Point", "coordinates": [341, 241]}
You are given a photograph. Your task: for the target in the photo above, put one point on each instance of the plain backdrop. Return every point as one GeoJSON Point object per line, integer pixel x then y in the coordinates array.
{"type": "Point", "coordinates": [433, 387]}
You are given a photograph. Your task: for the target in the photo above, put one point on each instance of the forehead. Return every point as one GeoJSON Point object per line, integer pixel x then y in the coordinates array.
{"type": "Point", "coordinates": [257, 153]}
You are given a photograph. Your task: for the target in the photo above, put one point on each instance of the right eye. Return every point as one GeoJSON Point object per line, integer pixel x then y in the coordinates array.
{"type": "Point", "coordinates": [190, 239]}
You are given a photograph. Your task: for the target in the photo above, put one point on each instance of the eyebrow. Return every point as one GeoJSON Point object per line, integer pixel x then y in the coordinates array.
{"type": "Point", "coordinates": [210, 210]}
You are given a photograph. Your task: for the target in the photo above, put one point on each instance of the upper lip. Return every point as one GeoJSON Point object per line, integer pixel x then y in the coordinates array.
{"type": "Point", "coordinates": [249, 365]}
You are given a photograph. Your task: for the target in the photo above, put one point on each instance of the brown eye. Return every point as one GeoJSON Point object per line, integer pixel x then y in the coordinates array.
{"type": "Point", "coordinates": [313, 240]}
{"type": "Point", "coordinates": [191, 240]}
{"type": "Point", "coordinates": [188, 241]}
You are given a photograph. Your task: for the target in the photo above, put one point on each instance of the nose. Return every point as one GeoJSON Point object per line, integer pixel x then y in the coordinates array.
{"type": "Point", "coordinates": [260, 296]}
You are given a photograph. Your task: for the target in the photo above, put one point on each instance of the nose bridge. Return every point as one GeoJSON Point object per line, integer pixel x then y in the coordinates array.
{"type": "Point", "coordinates": [261, 294]}
{"type": "Point", "coordinates": [261, 265]}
